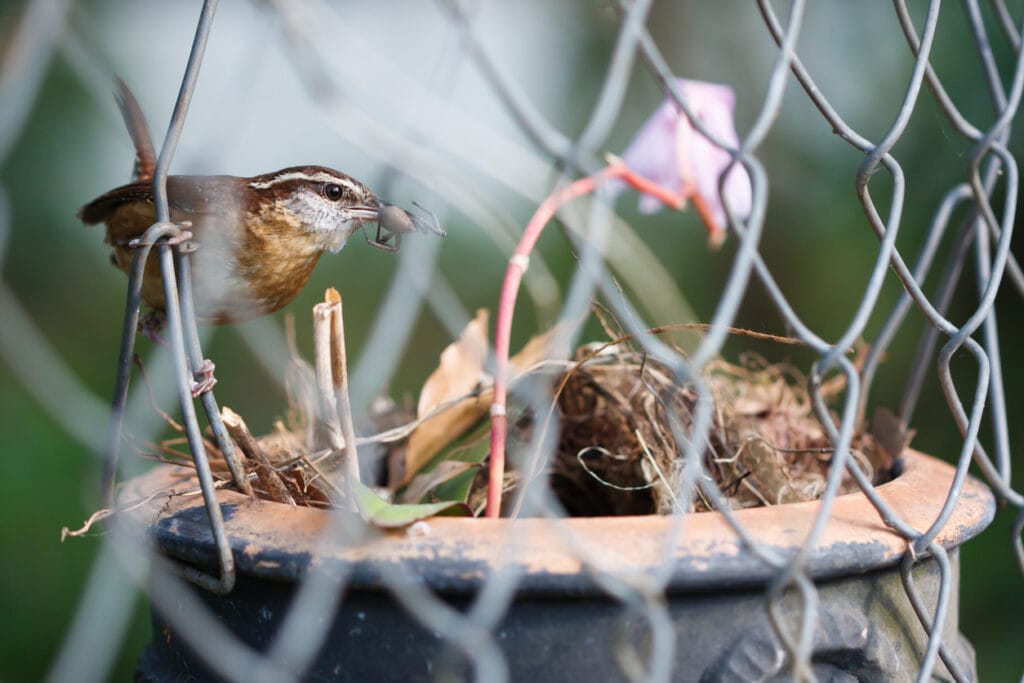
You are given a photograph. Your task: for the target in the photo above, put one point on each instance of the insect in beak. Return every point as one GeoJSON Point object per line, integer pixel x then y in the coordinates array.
{"type": "Point", "coordinates": [393, 222]}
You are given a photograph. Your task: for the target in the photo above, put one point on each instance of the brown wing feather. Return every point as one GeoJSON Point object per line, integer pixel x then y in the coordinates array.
{"type": "Point", "coordinates": [191, 194]}
{"type": "Point", "coordinates": [99, 209]}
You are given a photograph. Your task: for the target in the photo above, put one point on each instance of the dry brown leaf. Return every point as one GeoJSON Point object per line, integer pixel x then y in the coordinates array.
{"type": "Point", "coordinates": [461, 367]}
{"type": "Point", "coordinates": [460, 372]}
{"type": "Point", "coordinates": [536, 350]}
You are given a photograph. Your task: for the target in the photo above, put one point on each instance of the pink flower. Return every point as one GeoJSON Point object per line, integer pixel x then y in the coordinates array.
{"type": "Point", "coordinates": [669, 151]}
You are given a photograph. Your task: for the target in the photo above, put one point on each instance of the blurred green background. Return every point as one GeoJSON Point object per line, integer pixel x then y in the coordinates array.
{"type": "Point", "coordinates": [251, 114]}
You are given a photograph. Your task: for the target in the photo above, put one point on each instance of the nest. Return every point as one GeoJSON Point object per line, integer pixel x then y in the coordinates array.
{"type": "Point", "coordinates": [622, 451]}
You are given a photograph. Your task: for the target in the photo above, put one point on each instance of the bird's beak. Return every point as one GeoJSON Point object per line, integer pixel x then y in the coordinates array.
{"type": "Point", "coordinates": [364, 213]}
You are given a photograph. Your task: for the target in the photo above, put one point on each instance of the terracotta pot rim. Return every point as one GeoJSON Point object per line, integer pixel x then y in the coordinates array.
{"type": "Point", "coordinates": [456, 555]}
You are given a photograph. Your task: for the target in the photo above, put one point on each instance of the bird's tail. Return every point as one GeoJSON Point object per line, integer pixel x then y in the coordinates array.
{"type": "Point", "coordinates": [135, 121]}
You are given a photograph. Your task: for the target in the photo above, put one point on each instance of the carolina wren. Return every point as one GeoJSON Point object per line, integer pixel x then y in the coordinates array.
{"type": "Point", "coordinates": [258, 238]}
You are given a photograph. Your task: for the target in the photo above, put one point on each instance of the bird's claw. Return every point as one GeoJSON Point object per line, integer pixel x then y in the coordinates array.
{"type": "Point", "coordinates": [203, 379]}
{"type": "Point", "coordinates": [181, 238]}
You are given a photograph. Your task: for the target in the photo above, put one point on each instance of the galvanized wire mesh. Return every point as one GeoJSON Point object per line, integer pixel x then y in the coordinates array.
{"type": "Point", "coordinates": [479, 168]}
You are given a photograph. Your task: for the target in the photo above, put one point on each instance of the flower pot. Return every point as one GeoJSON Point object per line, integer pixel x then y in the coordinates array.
{"type": "Point", "coordinates": [561, 624]}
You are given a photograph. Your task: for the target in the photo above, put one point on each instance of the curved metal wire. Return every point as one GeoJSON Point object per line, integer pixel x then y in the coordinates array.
{"type": "Point", "coordinates": [967, 233]}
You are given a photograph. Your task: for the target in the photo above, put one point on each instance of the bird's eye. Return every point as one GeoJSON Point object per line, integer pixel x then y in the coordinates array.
{"type": "Point", "coordinates": [332, 191]}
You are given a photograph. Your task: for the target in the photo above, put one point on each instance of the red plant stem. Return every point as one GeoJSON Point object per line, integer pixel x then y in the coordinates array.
{"type": "Point", "coordinates": [510, 289]}
{"type": "Point", "coordinates": [503, 327]}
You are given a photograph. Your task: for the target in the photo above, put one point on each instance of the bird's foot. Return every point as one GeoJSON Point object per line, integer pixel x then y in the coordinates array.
{"type": "Point", "coordinates": [203, 379]}
{"type": "Point", "coordinates": [182, 239]}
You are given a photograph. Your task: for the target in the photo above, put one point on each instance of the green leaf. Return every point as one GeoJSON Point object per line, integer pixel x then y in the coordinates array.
{"type": "Point", "coordinates": [381, 513]}
{"type": "Point", "coordinates": [473, 446]}
{"type": "Point", "coordinates": [450, 474]}
{"type": "Point", "coordinates": [424, 486]}
{"type": "Point", "coordinates": [456, 488]}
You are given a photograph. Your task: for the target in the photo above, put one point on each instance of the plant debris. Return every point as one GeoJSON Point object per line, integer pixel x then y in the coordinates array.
{"type": "Point", "coordinates": [625, 427]}
{"type": "Point", "coordinates": [619, 452]}
{"type": "Point", "coordinates": [458, 394]}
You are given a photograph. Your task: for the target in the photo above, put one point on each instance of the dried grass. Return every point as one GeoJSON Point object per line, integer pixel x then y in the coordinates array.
{"type": "Point", "coordinates": [618, 452]}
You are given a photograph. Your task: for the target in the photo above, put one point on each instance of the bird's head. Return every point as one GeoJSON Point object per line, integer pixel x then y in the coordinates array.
{"type": "Point", "coordinates": [322, 205]}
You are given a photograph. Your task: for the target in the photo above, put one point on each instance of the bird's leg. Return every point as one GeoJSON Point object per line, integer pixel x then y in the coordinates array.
{"type": "Point", "coordinates": [151, 326]}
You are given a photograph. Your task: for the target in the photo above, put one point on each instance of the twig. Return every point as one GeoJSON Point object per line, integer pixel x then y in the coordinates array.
{"type": "Point", "coordinates": [339, 371]}
{"type": "Point", "coordinates": [97, 516]}
{"type": "Point", "coordinates": [324, 379]}
{"type": "Point", "coordinates": [320, 475]}
{"type": "Point", "coordinates": [161, 452]}
{"type": "Point", "coordinates": [332, 381]}
{"type": "Point", "coordinates": [264, 469]}
{"type": "Point", "coordinates": [171, 422]}
{"type": "Point", "coordinates": [106, 513]}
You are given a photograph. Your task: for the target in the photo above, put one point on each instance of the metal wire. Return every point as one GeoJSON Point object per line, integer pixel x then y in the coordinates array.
{"type": "Point", "coordinates": [181, 325]}
{"type": "Point", "coordinates": [463, 159]}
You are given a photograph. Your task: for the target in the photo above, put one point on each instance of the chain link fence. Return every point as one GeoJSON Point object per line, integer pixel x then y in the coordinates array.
{"type": "Point", "coordinates": [892, 285]}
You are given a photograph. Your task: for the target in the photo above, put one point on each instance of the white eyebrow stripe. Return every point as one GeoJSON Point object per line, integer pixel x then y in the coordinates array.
{"type": "Point", "coordinates": [319, 177]}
